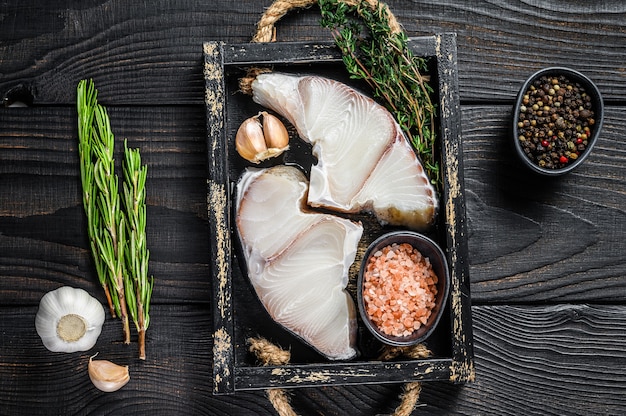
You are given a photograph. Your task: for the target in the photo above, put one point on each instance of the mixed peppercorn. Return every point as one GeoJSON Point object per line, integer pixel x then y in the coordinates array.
{"type": "Point", "coordinates": [554, 122]}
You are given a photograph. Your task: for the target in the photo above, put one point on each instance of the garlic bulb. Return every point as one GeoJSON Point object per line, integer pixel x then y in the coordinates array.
{"type": "Point", "coordinates": [107, 376]}
{"type": "Point", "coordinates": [69, 320]}
{"type": "Point", "coordinates": [256, 142]}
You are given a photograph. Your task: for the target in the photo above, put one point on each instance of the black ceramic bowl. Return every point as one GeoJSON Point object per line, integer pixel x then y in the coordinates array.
{"type": "Point", "coordinates": [437, 258]}
{"type": "Point", "coordinates": [542, 121]}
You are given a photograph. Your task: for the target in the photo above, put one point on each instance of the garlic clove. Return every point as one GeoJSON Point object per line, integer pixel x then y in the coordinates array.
{"type": "Point", "coordinates": [275, 132]}
{"type": "Point", "coordinates": [106, 375]}
{"type": "Point", "coordinates": [69, 320]}
{"type": "Point", "coordinates": [249, 140]}
{"type": "Point", "coordinates": [256, 142]}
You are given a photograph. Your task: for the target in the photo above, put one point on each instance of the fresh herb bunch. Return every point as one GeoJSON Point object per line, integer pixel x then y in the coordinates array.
{"type": "Point", "coordinates": [375, 53]}
{"type": "Point", "coordinates": [116, 230]}
{"type": "Point", "coordinates": [101, 199]}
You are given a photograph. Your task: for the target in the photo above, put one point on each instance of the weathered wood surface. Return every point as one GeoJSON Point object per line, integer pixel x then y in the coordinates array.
{"type": "Point", "coordinates": [540, 360]}
{"type": "Point", "coordinates": [547, 258]}
{"type": "Point", "coordinates": [151, 52]}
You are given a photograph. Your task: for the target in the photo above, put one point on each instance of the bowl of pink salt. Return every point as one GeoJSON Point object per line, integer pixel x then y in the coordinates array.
{"type": "Point", "coordinates": [402, 287]}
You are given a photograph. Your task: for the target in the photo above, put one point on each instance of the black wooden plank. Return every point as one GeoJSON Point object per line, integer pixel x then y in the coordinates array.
{"type": "Point", "coordinates": [453, 200]}
{"type": "Point", "coordinates": [151, 54]}
{"type": "Point", "coordinates": [568, 359]}
{"type": "Point", "coordinates": [323, 374]}
{"type": "Point", "coordinates": [281, 53]}
{"type": "Point", "coordinates": [218, 197]}
{"type": "Point", "coordinates": [538, 240]}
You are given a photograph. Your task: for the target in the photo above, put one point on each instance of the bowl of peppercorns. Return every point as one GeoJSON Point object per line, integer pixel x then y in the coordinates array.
{"type": "Point", "coordinates": [557, 119]}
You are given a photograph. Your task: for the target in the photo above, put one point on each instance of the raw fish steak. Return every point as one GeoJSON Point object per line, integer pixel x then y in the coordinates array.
{"type": "Point", "coordinates": [364, 161]}
{"type": "Point", "coordinates": [298, 261]}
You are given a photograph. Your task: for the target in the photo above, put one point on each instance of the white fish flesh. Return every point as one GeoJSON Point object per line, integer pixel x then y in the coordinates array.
{"type": "Point", "coordinates": [298, 261]}
{"type": "Point", "coordinates": [364, 161]}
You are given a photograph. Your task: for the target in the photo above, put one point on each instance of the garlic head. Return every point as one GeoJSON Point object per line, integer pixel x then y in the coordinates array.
{"type": "Point", "coordinates": [69, 320]}
{"type": "Point", "coordinates": [256, 142]}
{"type": "Point", "coordinates": [107, 376]}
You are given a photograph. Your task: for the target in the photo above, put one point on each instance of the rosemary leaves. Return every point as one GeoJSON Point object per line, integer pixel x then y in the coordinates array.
{"type": "Point", "coordinates": [138, 284]}
{"type": "Point", "coordinates": [385, 62]}
{"type": "Point", "coordinates": [115, 225]}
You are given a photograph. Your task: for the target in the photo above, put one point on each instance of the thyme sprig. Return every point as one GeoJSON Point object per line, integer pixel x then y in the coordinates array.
{"type": "Point", "coordinates": [373, 52]}
{"type": "Point", "coordinates": [116, 227]}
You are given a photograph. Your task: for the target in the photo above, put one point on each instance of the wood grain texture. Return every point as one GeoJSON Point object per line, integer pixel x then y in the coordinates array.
{"type": "Point", "coordinates": [544, 360]}
{"type": "Point", "coordinates": [531, 360]}
{"type": "Point", "coordinates": [533, 239]}
{"type": "Point", "coordinates": [530, 240]}
{"type": "Point", "coordinates": [42, 225]}
{"type": "Point", "coordinates": [121, 47]}
{"type": "Point", "coordinates": [547, 258]}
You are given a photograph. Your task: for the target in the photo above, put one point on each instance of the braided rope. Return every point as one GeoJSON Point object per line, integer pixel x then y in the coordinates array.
{"type": "Point", "coordinates": [270, 354]}
{"type": "Point", "coordinates": [412, 390]}
{"type": "Point", "coordinates": [266, 31]}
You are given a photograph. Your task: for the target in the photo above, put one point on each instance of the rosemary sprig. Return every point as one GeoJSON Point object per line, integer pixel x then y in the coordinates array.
{"type": "Point", "coordinates": [384, 60]}
{"type": "Point", "coordinates": [86, 105]}
{"type": "Point", "coordinates": [138, 285]}
{"type": "Point", "coordinates": [112, 240]}
{"type": "Point", "coordinates": [117, 231]}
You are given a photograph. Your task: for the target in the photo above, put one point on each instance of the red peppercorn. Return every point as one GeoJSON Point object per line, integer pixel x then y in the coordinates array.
{"type": "Point", "coordinates": [563, 159]}
{"type": "Point", "coordinates": [545, 143]}
{"type": "Point", "coordinates": [579, 140]}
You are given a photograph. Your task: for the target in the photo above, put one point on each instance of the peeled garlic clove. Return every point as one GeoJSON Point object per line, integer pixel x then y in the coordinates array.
{"type": "Point", "coordinates": [256, 142]}
{"type": "Point", "coordinates": [107, 376]}
{"type": "Point", "coordinates": [69, 320]}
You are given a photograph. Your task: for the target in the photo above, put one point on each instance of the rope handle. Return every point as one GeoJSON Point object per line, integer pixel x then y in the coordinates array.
{"type": "Point", "coordinates": [268, 353]}
{"type": "Point", "coordinates": [266, 30]}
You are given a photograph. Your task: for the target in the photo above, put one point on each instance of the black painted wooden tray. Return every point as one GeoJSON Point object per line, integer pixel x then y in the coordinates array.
{"type": "Point", "coordinates": [238, 315]}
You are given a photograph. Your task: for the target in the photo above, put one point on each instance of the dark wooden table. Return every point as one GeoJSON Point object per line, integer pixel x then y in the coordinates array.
{"type": "Point", "coordinates": [547, 257]}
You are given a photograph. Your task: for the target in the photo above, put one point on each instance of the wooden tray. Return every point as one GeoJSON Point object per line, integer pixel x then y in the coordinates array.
{"type": "Point", "coordinates": [238, 315]}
